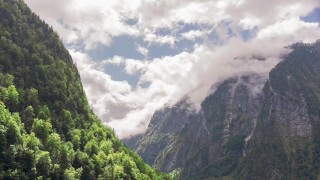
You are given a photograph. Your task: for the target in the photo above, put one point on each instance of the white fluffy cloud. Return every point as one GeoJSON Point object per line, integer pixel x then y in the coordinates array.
{"type": "Point", "coordinates": [165, 80]}
{"type": "Point", "coordinates": [171, 78]}
{"type": "Point", "coordinates": [89, 22]}
{"type": "Point", "coordinates": [97, 22]}
{"type": "Point", "coordinates": [292, 28]}
{"type": "Point", "coordinates": [159, 39]}
{"type": "Point", "coordinates": [193, 34]}
{"type": "Point", "coordinates": [142, 50]}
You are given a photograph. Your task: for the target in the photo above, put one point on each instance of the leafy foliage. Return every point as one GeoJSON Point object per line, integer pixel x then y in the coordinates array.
{"type": "Point", "coordinates": [47, 129]}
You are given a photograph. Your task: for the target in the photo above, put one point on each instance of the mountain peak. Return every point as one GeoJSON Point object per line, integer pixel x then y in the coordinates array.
{"type": "Point", "coordinates": [250, 127]}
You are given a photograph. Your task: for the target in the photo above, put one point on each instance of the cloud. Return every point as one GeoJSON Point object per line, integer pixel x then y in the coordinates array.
{"type": "Point", "coordinates": [152, 38]}
{"type": "Point", "coordinates": [195, 73]}
{"type": "Point", "coordinates": [124, 109]}
{"type": "Point", "coordinates": [131, 66]}
{"type": "Point", "coordinates": [292, 28]}
{"type": "Point", "coordinates": [128, 110]}
{"type": "Point", "coordinates": [193, 34]}
{"type": "Point", "coordinates": [104, 94]}
{"type": "Point", "coordinates": [142, 50]}
{"type": "Point", "coordinates": [89, 22]}
{"type": "Point", "coordinates": [97, 22]}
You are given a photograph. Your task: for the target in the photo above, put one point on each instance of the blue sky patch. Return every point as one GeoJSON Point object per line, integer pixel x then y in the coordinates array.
{"type": "Point", "coordinates": [118, 73]}
{"type": "Point", "coordinates": [125, 46]}
{"type": "Point", "coordinates": [314, 16]}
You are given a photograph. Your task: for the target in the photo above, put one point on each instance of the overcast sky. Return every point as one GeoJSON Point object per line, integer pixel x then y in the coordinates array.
{"type": "Point", "coordinates": [135, 56]}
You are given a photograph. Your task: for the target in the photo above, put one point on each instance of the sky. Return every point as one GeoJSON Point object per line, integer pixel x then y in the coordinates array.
{"type": "Point", "coordinates": [137, 56]}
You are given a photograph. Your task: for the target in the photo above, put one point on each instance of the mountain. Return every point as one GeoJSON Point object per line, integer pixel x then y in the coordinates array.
{"type": "Point", "coordinates": [47, 129]}
{"type": "Point", "coordinates": [209, 141]}
{"type": "Point", "coordinates": [246, 129]}
{"type": "Point", "coordinates": [162, 129]}
{"type": "Point", "coordinates": [286, 140]}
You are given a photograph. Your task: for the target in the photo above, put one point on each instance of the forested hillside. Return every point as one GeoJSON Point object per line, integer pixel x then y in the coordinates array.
{"type": "Point", "coordinates": [47, 129]}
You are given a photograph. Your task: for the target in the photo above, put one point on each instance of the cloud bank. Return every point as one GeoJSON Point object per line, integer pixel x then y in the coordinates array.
{"type": "Point", "coordinates": [227, 37]}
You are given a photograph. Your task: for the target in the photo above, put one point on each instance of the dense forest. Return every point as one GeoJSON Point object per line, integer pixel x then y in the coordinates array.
{"type": "Point", "coordinates": [47, 129]}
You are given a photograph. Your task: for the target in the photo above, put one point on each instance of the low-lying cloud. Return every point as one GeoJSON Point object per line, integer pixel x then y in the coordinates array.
{"type": "Point", "coordinates": [222, 53]}
{"type": "Point", "coordinates": [128, 110]}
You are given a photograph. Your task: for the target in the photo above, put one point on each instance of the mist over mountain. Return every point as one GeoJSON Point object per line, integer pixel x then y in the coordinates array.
{"type": "Point", "coordinates": [136, 56]}
{"type": "Point", "coordinates": [225, 89]}
{"type": "Point", "coordinates": [242, 133]}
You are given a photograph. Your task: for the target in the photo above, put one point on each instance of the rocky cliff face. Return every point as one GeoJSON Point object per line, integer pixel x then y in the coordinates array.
{"type": "Point", "coordinates": [285, 144]}
{"type": "Point", "coordinates": [163, 127]}
{"type": "Point", "coordinates": [178, 137]}
{"type": "Point", "coordinates": [242, 132]}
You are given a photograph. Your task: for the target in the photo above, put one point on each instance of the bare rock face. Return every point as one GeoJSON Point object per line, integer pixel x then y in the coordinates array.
{"type": "Point", "coordinates": [242, 133]}
{"type": "Point", "coordinates": [286, 140]}
{"type": "Point", "coordinates": [217, 134]}
{"type": "Point", "coordinates": [163, 127]}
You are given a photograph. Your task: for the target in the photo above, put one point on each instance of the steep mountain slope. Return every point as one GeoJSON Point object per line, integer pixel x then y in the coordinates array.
{"type": "Point", "coordinates": [285, 144]}
{"type": "Point", "coordinates": [163, 127]}
{"type": "Point", "coordinates": [211, 141]}
{"type": "Point", "coordinates": [239, 133]}
{"type": "Point", "coordinates": [47, 129]}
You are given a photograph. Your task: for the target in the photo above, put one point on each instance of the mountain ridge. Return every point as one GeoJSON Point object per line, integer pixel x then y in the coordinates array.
{"type": "Point", "coordinates": [228, 136]}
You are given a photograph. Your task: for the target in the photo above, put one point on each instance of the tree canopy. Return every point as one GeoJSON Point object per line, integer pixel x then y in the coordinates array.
{"type": "Point", "coordinates": [47, 129]}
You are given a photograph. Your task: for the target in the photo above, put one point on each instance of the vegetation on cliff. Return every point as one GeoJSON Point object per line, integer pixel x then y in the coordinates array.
{"type": "Point", "coordinates": [47, 129]}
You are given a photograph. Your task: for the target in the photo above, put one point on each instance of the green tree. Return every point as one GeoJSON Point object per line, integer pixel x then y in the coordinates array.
{"type": "Point", "coordinates": [27, 117]}
{"type": "Point", "coordinates": [67, 155]}
{"type": "Point", "coordinates": [9, 80]}
{"type": "Point", "coordinates": [91, 147]}
{"type": "Point", "coordinates": [72, 174]}
{"type": "Point", "coordinates": [31, 142]}
{"type": "Point", "coordinates": [32, 98]}
{"type": "Point", "coordinates": [42, 129]}
{"type": "Point", "coordinates": [58, 136]}
{"type": "Point", "coordinates": [43, 163]}
{"type": "Point", "coordinates": [44, 113]}
{"type": "Point", "coordinates": [53, 145]}
{"type": "Point", "coordinates": [13, 98]}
